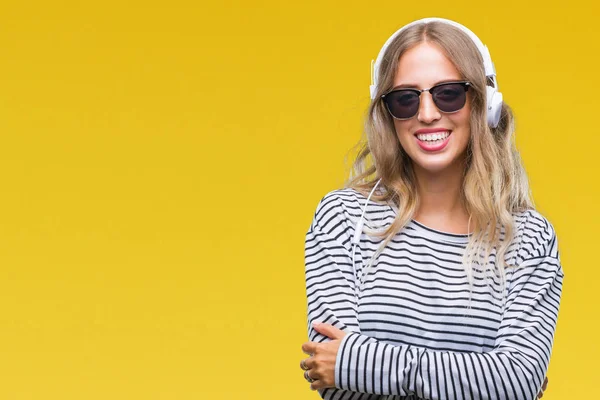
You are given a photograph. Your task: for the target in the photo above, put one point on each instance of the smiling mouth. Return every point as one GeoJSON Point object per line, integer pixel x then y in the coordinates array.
{"type": "Point", "coordinates": [433, 138]}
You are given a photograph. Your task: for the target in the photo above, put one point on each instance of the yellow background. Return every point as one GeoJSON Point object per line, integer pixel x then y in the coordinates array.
{"type": "Point", "coordinates": [161, 162]}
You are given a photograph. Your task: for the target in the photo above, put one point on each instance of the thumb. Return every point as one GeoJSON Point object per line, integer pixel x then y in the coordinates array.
{"type": "Point", "coordinates": [328, 330]}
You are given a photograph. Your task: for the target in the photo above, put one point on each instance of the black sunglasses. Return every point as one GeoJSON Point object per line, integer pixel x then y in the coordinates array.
{"type": "Point", "coordinates": [448, 97]}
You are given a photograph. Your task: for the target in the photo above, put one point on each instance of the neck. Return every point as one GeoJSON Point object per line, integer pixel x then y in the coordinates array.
{"type": "Point", "coordinates": [440, 197]}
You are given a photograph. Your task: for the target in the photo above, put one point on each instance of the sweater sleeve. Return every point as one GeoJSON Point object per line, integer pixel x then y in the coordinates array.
{"type": "Point", "coordinates": [330, 283]}
{"type": "Point", "coordinates": [514, 369]}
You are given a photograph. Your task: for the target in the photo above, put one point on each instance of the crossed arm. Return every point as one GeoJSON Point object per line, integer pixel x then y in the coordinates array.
{"type": "Point", "coordinates": [365, 368]}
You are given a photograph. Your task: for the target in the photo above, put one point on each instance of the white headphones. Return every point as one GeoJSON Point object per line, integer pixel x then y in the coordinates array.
{"type": "Point", "coordinates": [493, 96]}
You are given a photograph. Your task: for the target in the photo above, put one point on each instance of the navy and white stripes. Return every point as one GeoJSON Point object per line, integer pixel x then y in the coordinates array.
{"type": "Point", "coordinates": [413, 333]}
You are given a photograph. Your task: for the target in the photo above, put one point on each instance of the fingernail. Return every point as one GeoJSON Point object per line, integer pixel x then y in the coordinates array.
{"type": "Point", "coordinates": [315, 323]}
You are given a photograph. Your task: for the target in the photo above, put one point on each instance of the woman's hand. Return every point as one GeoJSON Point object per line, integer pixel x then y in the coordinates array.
{"type": "Point", "coordinates": [319, 368]}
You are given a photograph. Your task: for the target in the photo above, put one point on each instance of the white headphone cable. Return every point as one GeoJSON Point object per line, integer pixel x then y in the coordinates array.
{"type": "Point", "coordinates": [357, 233]}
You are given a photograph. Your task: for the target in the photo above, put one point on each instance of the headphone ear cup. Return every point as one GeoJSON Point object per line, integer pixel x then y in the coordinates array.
{"type": "Point", "coordinates": [373, 89]}
{"type": "Point", "coordinates": [494, 106]}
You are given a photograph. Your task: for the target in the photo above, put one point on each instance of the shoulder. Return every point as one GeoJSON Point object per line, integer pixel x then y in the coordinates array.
{"type": "Point", "coordinates": [536, 236]}
{"type": "Point", "coordinates": [537, 261]}
{"type": "Point", "coordinates": [337, 210]}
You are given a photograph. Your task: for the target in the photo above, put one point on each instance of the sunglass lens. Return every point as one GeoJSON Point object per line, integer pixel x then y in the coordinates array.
{"type": "Point", "coordinates": [450, 97]}
{"type": "Point", "coordinates": [402, 103]}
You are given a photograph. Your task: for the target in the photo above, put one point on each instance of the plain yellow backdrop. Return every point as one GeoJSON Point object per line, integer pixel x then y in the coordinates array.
{"type": "Point", "coordinates": [161, 162]}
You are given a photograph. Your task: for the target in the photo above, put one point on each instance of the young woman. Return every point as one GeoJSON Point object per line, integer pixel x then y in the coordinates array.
{"type": "Point", "coordinates": [431, 274]}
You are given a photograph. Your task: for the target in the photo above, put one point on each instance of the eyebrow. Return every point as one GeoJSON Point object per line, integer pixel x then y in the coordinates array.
{"type": "Point", "coordinates": [415, 86]}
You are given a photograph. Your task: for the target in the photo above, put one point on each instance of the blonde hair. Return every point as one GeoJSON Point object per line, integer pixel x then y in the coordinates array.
{"type": "Point", "coordinates": [495, 185]}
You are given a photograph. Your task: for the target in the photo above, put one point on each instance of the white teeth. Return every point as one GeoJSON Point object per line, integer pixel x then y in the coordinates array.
{"type": "Point", "coordinates": [432, 137]}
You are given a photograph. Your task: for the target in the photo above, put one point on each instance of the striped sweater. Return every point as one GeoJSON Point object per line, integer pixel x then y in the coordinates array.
{"type": "Point", "coordinates": [412, 331]}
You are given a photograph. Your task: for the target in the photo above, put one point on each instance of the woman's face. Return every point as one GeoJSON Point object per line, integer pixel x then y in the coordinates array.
{"type": "Point", "coordinates": [422, 67]}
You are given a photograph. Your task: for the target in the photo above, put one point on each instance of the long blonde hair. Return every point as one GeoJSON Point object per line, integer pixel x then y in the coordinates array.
{"type": "Point", "coordinates": [495, 185]}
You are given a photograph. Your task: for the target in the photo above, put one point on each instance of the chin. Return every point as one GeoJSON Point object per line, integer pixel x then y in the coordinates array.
{"type": "Point", "coordinates": [436, 166]}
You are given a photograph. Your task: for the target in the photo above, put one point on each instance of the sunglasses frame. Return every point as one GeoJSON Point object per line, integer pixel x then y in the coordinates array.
{"type": "Point", "coordinates": [466, 85]}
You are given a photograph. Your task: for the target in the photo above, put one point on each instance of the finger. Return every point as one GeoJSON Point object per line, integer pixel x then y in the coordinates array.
{"type": "Point", "coordinates": [315, 385]}
{"type": "Point", "coordinates": [309, 363]}
{"type": "Point", "coordinates": [319, 384]}
{"type": "Point", "coordinates": [309, 378]}
{"type": "Point", "coordinates": [545, 384]}
{"type": "Point", "coordinates": [309, 348]}
{"type": "Point", "coordinates": [328, 330]}
{"type": "Point", "coordinates": [303, 365]}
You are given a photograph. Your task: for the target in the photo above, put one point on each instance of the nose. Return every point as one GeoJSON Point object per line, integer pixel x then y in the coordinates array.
{"type": "Point", "coordinates": [428, 112]}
